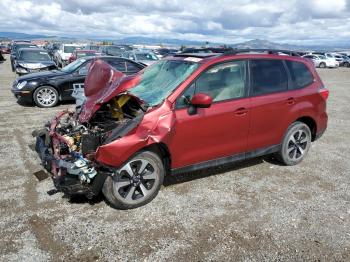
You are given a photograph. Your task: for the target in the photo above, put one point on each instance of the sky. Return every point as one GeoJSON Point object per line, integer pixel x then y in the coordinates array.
{"type": "Point", "coordinates": [221, 21]}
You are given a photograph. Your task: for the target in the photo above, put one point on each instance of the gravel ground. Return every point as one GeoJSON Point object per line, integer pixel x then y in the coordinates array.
{"type": "Point", "coordinates": [253, 211]}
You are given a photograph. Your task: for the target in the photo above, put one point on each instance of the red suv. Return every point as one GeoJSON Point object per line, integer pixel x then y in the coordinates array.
{"type": "Point", "coordinates": [183, 113]}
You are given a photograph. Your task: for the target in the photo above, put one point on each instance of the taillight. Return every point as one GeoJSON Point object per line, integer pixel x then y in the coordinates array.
{"type": "Point", "coordinates": [324, 93]}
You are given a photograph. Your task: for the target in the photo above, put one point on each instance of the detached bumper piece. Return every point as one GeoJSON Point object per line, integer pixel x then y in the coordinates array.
{"type": "Point", "coordinates": [74, 176]}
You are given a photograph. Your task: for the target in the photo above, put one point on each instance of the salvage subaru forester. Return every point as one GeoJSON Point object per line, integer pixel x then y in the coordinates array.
{"type": "Point", "coordinates": [183, 113]}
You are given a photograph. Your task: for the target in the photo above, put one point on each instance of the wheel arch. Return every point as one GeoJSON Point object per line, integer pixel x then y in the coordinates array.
{"type": "Point", "coordinates": [162, 150]}
{"type": "Point", "coordinates": [311, 123]}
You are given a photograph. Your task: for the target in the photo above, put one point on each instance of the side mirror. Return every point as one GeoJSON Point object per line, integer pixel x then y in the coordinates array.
{"type": "Point", "coordinates": [199, 100]}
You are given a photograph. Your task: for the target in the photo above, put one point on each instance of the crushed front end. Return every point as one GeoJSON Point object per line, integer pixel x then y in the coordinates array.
{"type": "Point", "coordinates": [67, 146]}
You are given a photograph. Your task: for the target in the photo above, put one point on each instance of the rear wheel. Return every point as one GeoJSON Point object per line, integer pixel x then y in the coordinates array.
{"type": "Point", "coordinates": [136, 183]}
{"type": "Point", "coordinates": [45, 96]}
{"type": "Point", "coordinates": [296, 144]}
{"type": "Point", "coordinates": [346, 64]}
{"type": "Point", "coordinates": [322, 65]}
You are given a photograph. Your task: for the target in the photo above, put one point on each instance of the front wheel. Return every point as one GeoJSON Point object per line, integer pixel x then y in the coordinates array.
{"type": "Point", "coordinates": [322, 65]}
{"type": "Point", "coordinates": [296, 144]}
{"type": "Point", "coordinates": [136, 183]}
{"type": "Point", "coordinates": [45, 96]}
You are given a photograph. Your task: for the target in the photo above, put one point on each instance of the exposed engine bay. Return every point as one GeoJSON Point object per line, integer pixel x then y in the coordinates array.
{"type": "Point", "coordinates": [67, 147]}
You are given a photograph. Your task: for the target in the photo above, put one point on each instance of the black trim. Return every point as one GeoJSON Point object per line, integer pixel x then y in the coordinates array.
{"type": "Point", "coordinates": [318, 135]}
{"type": "Point", "coordinates": [260, 50]}
{"type": "Point", "coordinates": [226, 160]}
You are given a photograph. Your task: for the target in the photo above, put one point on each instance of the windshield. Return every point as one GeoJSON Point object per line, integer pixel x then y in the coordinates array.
{"type": "Point", "coordinates": [159, 80]}
{"type": "Point", "coordinates": [146, 56]}
{"type": "Point", "coordinates": [114, 50]}
{"type": "Point", "coordinates": [73, 66]}
{"type": "Point", "coordinates": [69, 49]}
{"type": "Point", "coordinates": [82, 54]}
{"type": "Point", "coordinates": [17, 47]}
{"type": "Point", "coordinates": [34, 55]}
{"type": "Point", "coordinates": [322, 57]}
{"type": "Point", "coordinates": [94, 47]}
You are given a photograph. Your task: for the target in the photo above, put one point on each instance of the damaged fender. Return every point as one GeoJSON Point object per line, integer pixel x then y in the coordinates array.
{"type": "Point", "coordinates": [146, 134]}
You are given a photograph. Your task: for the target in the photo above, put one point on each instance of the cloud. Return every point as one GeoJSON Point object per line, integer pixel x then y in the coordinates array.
{"type": "Point", "coordinates": [216, 20]}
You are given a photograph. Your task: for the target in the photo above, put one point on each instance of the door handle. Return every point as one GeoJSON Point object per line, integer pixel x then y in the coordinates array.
{"type": "Point", "coordinates": [241, 111]}
{"type": "Point", "coordinates": [291, 101]}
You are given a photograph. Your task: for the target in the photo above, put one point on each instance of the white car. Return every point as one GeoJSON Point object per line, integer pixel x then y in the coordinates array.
{"type": "Point", "coordinates": [322, 61]}
{"type": "Point", "coordinates": [62, 55]}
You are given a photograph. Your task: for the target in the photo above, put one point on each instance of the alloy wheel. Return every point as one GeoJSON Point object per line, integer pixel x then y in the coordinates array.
{"type": "Point", "coordinates": [46, 97]}
{"type": "Point", "coordinates": [135, 181]}
{"type": "Point", "coordinates": [297, 145]}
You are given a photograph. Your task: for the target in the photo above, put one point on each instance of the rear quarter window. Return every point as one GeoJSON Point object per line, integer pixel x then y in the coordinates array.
{"type": "Point", "coordinates": [300, 75]}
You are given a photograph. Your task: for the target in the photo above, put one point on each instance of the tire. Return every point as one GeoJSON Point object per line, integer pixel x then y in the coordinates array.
{"type": "Point", "coordinates": [346, 64]}
{"type": "Point", "coordinates": [136, 183]}
{"type": "Point", "coordinates": [295, 145]}
{"type": "Point", "coordinates": [322, 65]}
{"type": "Point", "coordinates": [45, 96]}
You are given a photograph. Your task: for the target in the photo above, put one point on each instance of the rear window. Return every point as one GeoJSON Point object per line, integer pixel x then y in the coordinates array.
{"type": "Point", "coordinates": [268, 76]}
{"type": "Point", "coordinates": [69, 49]}
{"type": "Point", "coordinates": [300, 75]}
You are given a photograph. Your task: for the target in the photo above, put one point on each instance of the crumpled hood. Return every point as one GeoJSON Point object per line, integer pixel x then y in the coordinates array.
{"type": "Point", "coordinates": [35, 64]}
{"type": "Point", "coordinates": [102, 83]}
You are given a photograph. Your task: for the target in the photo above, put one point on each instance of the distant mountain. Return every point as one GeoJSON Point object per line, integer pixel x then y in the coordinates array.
{"type": "Point", "coordinates": [154, 41]}
{"type": "Point", "coordinates": [264, 44]}
{"type": "Point", "coordinates": [14, 35]}
{"type": "Point", "coordinates": [256, 43]}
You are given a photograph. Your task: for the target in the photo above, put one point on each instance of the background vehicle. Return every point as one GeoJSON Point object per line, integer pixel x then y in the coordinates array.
{"type": "Point", "coordinates": [5, 49]}
{"type": "Point", "coordinates": [52, 48]}
{"type": "Point", "coordinates": [339, 58]}
{"type": "Point", "coordinates": [32, 60]}
{"type": "Point", "coordinates": [164, 52]}
{"type": "Point", "coordinates": [145, 57]}
{"type": "Point", "coordinates": [346, 61]}
{"type": "Point", "coordinates": [2, 58]}
{"type": "Point", "coordinates": [15, 49]}
{"type": "Point", "coordinates": [114, 50]}
{"type": "Point", "coordinates": [322, 61]}
{"type": "Point", "coordinates": [82, 53]}
{"type": "Point", "coordinates": [61, 55]}
{"type": "Point", "coordinates": [211, 110]}
{"type": "Point", "coordinates": [92, 47]}
{"type": "Point", "coordinates": [45, 89]}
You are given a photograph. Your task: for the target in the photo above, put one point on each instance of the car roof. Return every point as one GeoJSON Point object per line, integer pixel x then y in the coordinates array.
{"type": "Point", "coordinates": [33, 49]}
{"type": "Point", "coordinates": [86, 51]}
{"type": "Point", "coordinates": [236, 54]}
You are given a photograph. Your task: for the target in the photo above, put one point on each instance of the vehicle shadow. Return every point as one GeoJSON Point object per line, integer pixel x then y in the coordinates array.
{"type": "Point", "coordinates": [26, 103]}
{"type": "Point", "coordinates": [184, 177]}
{"type": "Point", "coordinates": [81, 199]}
{"type": "Point", "coordinates": [187, 177]}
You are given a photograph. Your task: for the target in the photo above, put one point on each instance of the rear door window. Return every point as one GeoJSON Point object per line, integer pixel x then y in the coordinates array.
{"type": "Point", "coordinates": [267, 76]}
{"type": "Point", "coordinates": [300, 75]}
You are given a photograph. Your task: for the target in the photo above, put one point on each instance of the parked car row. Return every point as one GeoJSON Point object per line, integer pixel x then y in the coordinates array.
{"type": "Point", "coordinates": [46, 89]}
{"type": "Point", "coordinates": [329, 60]}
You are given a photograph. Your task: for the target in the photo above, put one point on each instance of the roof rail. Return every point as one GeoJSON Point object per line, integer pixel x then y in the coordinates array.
{"type": "Point", "coordinates": [269, 51]}
{"type": "Point", "coordinates": [197, 55]}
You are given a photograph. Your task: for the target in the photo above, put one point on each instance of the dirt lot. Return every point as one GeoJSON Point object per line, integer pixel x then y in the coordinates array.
{"type": "Point", "coordinates": [255, 211]}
